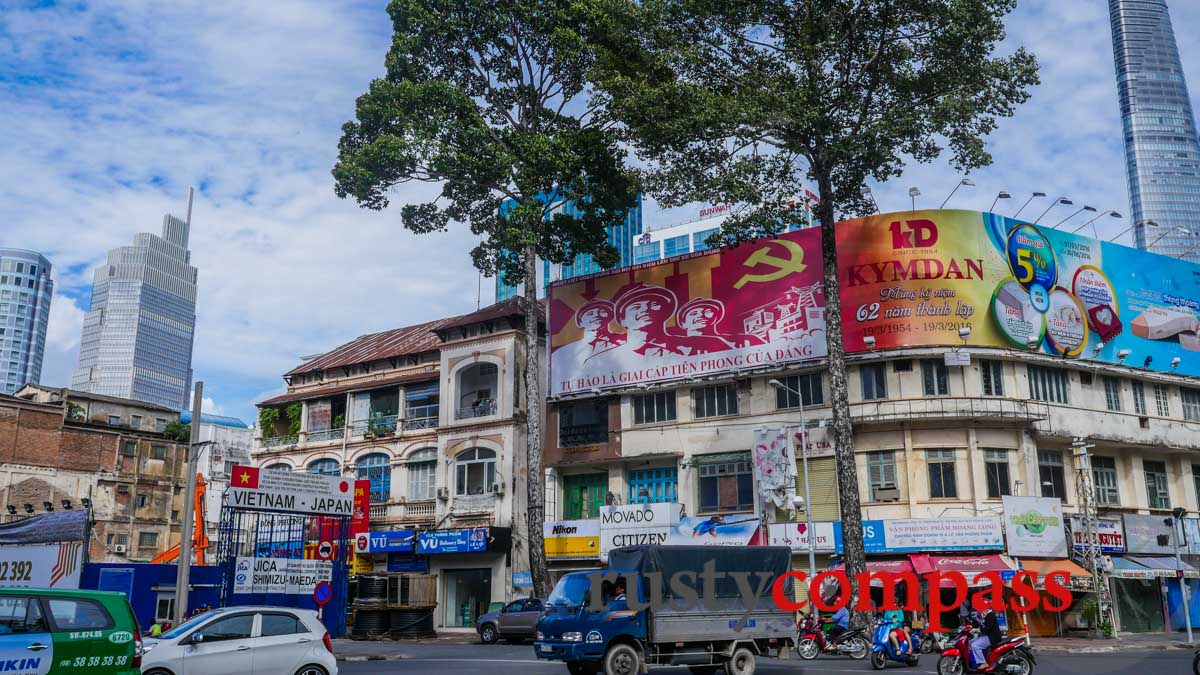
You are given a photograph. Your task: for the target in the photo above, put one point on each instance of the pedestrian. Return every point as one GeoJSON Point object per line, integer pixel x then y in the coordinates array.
{"type": "Point", "coordinates": [156, 630]}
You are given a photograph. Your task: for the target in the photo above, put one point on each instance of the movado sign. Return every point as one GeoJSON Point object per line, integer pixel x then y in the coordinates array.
{"type": "Point", "coordinates": [636, 525]}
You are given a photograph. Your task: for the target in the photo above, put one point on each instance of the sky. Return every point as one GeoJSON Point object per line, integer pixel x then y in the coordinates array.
{"type": "Point", "coordinates": [112, 109]}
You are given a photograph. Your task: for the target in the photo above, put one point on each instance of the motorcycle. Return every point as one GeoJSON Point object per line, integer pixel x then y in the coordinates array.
{"type": "Point", "coordinates": [930, 642]}
{"type": "Point", "coordinates": [1011, 657]}
{"type": "Point", "coordinates": [1196, 664]}
{"type": "Point", "coordinates": [813, 641]}
{"type": "Point", "coordinates": [882, 650]}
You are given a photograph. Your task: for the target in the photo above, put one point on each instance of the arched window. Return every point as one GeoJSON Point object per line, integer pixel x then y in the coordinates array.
{"type": "Point", "coordinates": [477, 385]}
{"type": "Point", "coordinates": [279, 467]}
{"type": "Point", "coordinates": [475, 471]}
{"type": "Point", "coordinates": [325, 467]}
{"type": "Point", "coordinates": [377, 468]}
{"type": "Point", "coordinates": [422, 470]}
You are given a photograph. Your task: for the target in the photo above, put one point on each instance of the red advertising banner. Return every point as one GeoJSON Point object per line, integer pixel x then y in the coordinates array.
{"type": "Point", "coordinates": [758, 304]}
{"type": "Point", "coordinates": [360, 522]}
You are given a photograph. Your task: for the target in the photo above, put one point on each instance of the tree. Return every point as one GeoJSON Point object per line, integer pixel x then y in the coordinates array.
{"type": "Point", "coordinates": [741, 101]}
{"type": "Point", "coordinates": [178, 431]}
{"type": "Point", "coordinates": [488, 100]}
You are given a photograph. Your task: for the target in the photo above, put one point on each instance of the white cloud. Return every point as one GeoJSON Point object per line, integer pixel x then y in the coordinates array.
{"type": "Point", "coordinates": [66, 324]}
{"type": "Point", "coordinates": [210, 406]}
{"type": "Point", "coordinates": [115, 107]}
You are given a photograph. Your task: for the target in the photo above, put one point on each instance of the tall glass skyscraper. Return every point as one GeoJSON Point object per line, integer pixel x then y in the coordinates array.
{"type": "Point", "coordinates": [620, 236]}
{"type": "Point", "coordinates": [1162, 151]}
{"type": "Point", "coordinates": [25, 292]}
{"type": "Point", "coordinates": [137, 336]}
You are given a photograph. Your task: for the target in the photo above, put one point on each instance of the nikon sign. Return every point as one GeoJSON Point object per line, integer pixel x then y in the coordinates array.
{"type": "Point", "coordinates": [1034, 527]}
{"type": "Point", "coordinates": [572, 539]}
{"type": "Point", "coordinates": [636, 525]}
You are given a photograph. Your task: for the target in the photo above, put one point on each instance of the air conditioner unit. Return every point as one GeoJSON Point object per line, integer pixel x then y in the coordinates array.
{"type": "Point", "coordinates": [119, 548]}
{"type": "Point", "coordinates": [443, 494]}
{"type": "Point", "coordinates": [887, 494]}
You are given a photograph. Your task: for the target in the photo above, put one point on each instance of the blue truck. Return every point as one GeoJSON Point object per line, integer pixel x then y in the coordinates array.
{"type": "Point", "coordinates": [724, 623]}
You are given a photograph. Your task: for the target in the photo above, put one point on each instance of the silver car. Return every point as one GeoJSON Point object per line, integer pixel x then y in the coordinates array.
{"type": "Point", "coordinates": [516, 621]}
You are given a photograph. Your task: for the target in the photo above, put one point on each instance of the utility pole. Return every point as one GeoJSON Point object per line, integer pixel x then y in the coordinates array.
{"type": "Point", "coordinates": [184, 571]}
{"type": "Point", "coordinates": [1087, 507]}
{"type": "Point", "coordinates": [1176, 521]}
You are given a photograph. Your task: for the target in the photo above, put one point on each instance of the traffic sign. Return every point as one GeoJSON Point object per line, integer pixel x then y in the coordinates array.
{"type": "Point", "coordinates": [325, 550]}
{"type": "Point", "coordinates": [322, 592]}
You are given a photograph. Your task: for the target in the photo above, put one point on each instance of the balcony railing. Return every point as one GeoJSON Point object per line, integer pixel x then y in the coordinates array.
{"type": "Point", "coordinates": [278, 441]}
{"type": "Point", "coordinates": [421, 509]}
{"type": "Point", "coordinates": [478, 409]}
{"type": "Point", "coordinates": [421, 417]}
{"type": "Point", "coordinates": [950, 407]}
{"type": "Point", "coordinates": [326, 435]}
{"type": "Point", "coordinates": [575, 435]}
{"type": "Point", "coordinates": [378, 425]}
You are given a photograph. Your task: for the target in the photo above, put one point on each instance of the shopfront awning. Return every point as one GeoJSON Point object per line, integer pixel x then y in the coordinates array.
{"type": "Point", "coordinates": [1124, 568]}
{"type": "Point", "coordinates": [970, 566]}
{"type": "Point", "coordinates": [1081, 579]}
{"type": "Point", "coordinates": [1165, 566]}
{"type": "Point", "coordinates": [883, 565]}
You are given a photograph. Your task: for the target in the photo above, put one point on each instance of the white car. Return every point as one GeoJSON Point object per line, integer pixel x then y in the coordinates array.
{"type": "Point", "coordinates": [252, 640]}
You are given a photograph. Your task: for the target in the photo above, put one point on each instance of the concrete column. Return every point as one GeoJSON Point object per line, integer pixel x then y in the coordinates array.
{"type": "Point", "coordinates": [1138, 476]}
{"type": "Point", "coordinates": [910, 478]}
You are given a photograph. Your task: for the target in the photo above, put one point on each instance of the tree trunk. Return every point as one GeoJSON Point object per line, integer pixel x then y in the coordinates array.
{"type": "Point", "coordinates": [843, 434]}
{"type": "Point", "coordinates": [534, 407]}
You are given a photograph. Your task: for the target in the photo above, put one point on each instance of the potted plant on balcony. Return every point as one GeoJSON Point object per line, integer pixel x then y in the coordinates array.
{"type": "Point", "coordinates": [378, 428]}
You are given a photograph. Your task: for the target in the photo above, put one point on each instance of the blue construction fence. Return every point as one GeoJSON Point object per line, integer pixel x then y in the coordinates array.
{"type": "Point", "coordinates": [145, 583]}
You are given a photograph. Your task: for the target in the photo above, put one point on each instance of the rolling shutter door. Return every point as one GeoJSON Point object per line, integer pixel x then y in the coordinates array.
{"type": "Point", "coordinates": [822, 485]}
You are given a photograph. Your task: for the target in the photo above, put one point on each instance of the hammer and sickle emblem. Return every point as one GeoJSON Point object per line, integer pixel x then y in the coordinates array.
{"type": "Point", "coordinates": [783, 266]}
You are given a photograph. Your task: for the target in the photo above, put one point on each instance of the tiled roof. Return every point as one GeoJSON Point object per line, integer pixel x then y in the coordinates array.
{"type": "Point", "coordinates": [514, 306]}
{"type": "Point", "coordinates": [376, 346]}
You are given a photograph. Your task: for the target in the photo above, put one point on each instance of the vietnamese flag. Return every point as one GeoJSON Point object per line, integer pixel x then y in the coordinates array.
{"type": "Point", "coordinates": [244, 477]}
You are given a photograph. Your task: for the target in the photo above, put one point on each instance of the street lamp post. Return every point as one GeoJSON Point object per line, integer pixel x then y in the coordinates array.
{"type": "Point", "coordinates": [1031, 198]}
{"type": "Point", "coordinates": [812, 551]}
{"type": "Point", "coordinates": [1061, 200]}
{"type": "Point", "coordinates": [1176, 522]}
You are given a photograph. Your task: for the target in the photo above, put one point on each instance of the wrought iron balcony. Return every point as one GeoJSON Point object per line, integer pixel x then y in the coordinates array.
{"type": "Point", "coordinates": [326, 435]}
{"type": "Point", "coordinates": [421, 417]}
{"type": "Point", "coordinates": [279, 441]}
{"type": "Point", "coordinates": [575, 435]}
{"type": "Point", "coordinates": [377, 425]}
{"type": "Point", "coordinates": [478, 409]}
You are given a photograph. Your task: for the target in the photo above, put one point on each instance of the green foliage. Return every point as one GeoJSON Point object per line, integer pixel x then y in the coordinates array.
{"type": "Point", "coordinates": [339, 422]}
{"type": "Point", "coordinates": [178, 431]}
{"type": "Point", "coordinates": [75, 412]}
{"type": "Point", "coordinates": [489, 100]}
{"type": "Point", "coordinates": [293, 413]}
{"type": "Point", "coordinates": [743, 102]}
{"type": "Point", "coordinates": [267, 417]}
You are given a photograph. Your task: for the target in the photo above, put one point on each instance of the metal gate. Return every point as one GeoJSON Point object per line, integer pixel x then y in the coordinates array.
{"type": "Point", "coordinates": [263, 534]}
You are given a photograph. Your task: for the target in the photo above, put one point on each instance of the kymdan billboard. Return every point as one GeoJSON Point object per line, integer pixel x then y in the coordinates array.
{"type": "Point", "coordinates": [911, 278]}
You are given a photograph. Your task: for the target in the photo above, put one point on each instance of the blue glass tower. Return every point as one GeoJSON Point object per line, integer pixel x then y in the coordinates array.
{"type": "Point", "coordinates": [621, 236]}
{"type": "Point", "coordinates": [1162, 151]}
{"type": "Point", "coordinates": [25, 292]}
{"type": "Point", "coordinates": [137, 336]}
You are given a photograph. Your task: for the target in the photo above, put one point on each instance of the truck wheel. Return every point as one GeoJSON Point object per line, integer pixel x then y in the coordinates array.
{"type": "Point", "coordinates": [622, 660]}
{"type": "Point", "coordinates": [741, 663]}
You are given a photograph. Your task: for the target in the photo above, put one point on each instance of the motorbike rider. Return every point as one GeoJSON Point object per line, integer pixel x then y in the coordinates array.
{"type": "Point", "coordinates": [895, 620]}
{"type": "Point", "coordinates": [989, 634]}
{"type": "Point", "coordinates": [841, 623]}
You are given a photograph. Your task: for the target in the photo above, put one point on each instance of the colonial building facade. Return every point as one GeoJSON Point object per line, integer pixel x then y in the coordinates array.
{"type": "Point", "coordinates": [432, 415]}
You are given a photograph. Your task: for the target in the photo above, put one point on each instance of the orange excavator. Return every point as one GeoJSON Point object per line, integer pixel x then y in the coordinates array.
{"type": "Point", "coordinates": [199, 534]}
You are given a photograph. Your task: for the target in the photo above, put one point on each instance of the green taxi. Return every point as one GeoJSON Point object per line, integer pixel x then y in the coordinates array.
{"type": "Point", "coordinates": [51, 632]}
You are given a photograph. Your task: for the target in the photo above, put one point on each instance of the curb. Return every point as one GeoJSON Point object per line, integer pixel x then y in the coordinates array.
{"type": "Point", "coordinates": [1113, 649]}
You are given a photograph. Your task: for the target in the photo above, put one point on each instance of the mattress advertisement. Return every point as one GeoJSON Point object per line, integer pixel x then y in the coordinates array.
{"type": "Point", "coordinates": [908, 279]}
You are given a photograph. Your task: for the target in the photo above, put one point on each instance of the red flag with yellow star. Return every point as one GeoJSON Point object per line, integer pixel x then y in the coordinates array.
{"type": "Point", "coordinates": [244, 477]}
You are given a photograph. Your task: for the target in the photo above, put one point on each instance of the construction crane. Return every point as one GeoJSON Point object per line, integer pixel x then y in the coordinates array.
{"type": "Point", "coordinates": [199, 534]}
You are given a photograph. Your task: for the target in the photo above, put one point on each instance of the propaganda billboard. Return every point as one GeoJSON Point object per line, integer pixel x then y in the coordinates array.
{"type": "Point", "coordinates": [907, 279]}
{"type": "Point", "coordinates": [749, 306]}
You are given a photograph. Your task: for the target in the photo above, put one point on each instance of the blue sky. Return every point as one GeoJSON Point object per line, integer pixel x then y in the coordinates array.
{"type": "Point", "coordinates": [112, 109]}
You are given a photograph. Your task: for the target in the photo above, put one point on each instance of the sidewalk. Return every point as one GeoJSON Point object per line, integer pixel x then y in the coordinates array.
{"type": "Point", "coordinates": [393, 650]}
{"type": "Point", "coordinates": [1129, 642]}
